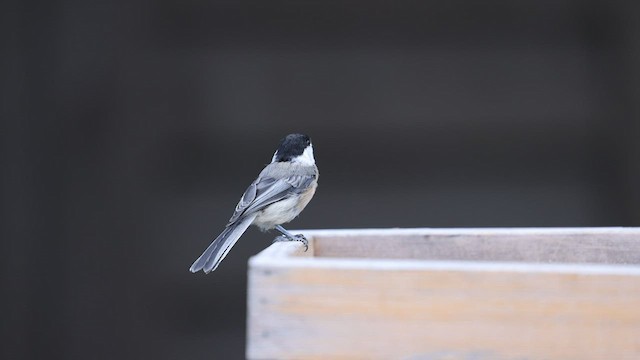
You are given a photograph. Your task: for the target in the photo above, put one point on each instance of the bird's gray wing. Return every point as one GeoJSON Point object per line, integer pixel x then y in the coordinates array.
{"type": "Point", "coordinates": [261, 193]}
{"type": "Point", "coordinates": [267, 190]}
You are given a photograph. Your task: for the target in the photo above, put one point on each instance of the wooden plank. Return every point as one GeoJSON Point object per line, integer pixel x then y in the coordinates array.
{"type": "Point", "coordinates": [582, 245]}
{"type": "Point", "coordinates": [304, 307]}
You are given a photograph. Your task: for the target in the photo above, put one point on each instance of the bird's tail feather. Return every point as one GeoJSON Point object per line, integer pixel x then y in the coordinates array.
{"type": "Point", "coordinates": [213, 255]}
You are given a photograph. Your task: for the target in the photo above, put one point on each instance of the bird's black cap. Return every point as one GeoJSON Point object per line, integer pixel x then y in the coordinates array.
{"type": "Point", "coordinates": [291, 146]}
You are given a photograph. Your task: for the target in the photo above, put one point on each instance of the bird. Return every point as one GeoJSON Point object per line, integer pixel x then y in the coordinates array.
{"type": "Point", "coordinates": [281, 191]}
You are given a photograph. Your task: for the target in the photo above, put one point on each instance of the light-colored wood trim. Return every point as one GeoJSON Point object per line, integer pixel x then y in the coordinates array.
{"type": "Point", "coordinates": [305, 307]}
{"type": "Point", "coordinates": [605, 246]}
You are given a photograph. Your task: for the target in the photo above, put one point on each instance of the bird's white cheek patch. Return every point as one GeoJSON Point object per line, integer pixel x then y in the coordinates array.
{"type": "Point", "coordinates": [306, 158]}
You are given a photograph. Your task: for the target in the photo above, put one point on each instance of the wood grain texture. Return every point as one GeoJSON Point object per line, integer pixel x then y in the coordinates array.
{"type": "Point", "coordinates": [302, 306]}
{"type": "Point", "coordinates": [586, 245]}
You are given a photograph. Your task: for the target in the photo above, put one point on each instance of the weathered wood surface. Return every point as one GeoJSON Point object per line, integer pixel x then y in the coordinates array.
{"type": "Point", "coordinates": [307, 306]}
{"type": "Point", "coordinates": [561, 245]}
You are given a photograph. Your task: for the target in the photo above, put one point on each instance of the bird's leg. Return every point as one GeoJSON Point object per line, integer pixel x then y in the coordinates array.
{"type": "Point", "coordinates": [287, 236]}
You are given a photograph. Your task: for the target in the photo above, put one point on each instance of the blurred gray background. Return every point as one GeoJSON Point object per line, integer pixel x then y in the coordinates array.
{"type": "Point", "coordinates": [129, 132]}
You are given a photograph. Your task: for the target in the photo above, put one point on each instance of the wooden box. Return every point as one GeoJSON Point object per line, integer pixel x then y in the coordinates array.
{"type": "Point", "coordinates": [557, 293]}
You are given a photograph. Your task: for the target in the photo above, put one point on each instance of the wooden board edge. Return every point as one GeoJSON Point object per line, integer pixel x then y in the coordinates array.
{"type": "Point", "coordinates": [516, 231]}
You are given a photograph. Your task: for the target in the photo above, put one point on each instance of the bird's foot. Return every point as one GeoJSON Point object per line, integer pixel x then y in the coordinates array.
{"type": "Point", "coordinates": [297, 237]}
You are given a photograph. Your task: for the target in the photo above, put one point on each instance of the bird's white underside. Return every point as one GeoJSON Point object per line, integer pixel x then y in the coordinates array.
{"type": "Point", "coordinates": [277, 213]}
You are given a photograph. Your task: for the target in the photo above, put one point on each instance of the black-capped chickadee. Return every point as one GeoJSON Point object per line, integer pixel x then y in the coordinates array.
{"type": "Point", "coordinates": [277, 196]}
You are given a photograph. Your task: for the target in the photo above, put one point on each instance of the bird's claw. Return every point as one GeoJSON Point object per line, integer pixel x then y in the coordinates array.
{"type": "Point", "coordinates": [303, 240]}
{"type": "Point", "coordinates": [297, 237]}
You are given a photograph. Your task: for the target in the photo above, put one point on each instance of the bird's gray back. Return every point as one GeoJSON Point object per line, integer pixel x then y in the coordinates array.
{"type": "Point", "coordinates": [275, 182]}
{"type": "Point", "coordinates": [280, 170]}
